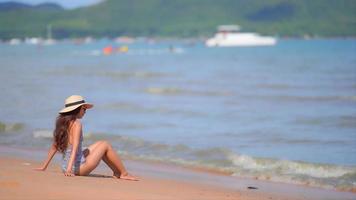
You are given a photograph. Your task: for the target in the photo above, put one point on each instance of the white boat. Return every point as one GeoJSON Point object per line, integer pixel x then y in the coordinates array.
{"type": "Point", "coordinates": [49, 40]}
{"type": "Point", "coordinates": [15, 41]}
{"type": "Point", "coordinates": [229, 35]}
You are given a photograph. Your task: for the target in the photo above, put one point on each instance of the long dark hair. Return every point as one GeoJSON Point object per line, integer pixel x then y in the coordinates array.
{"type": "Point", "coordinates": [61, 132]}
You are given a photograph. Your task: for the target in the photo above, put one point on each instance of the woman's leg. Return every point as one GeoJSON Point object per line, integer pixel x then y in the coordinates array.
{"type": "Point", "coordinates": [103, 150]}
{"type": "Point", "coordinates": [108, 162]}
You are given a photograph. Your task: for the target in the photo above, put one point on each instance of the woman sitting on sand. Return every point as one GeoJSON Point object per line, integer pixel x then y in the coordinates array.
{"type": "Point", "coordinates": [68, 138]}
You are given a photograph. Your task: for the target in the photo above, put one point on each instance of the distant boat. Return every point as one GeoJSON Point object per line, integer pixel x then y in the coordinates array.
{"type": "Point", "coordinates": [15, 41]}
{"type": "Point", "coordinates": [229, 35]}
{"type": "Point", "coordinates": [49, 40]}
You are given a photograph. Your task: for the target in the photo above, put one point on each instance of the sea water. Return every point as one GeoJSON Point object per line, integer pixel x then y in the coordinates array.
{"type": "Point", "coordinates": [282, 113]}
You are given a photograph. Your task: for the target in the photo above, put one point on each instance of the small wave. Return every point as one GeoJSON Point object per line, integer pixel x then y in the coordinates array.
{"type": "Point", "coordinates": [275, 86]}
{"type": "Point", "coordinates": [11, 127]}
{"type": "Point", "coordinates": [304, 141]}
{"type": "Point", "coordinates": [126, 106]}
{"type": "Point", "coordinates": [179, 91]}
{"type": "Point", "coordinates": [175, 50]}
{"type": "Point", "coordinates": [132, 74]}
{"type": "Point", "coordinates": [46, 134]}
{"type": "Point", "coordinates": [114, 74]}
{"type": "Point", "coordinates": [164, 91]}
{"type": "Point", "coordinates": [289, 98]}
{"type": "Point", "coordinates": [137, 108]}
{"type": "Point", "coordinates": [347, 121]}
{"type": "Point", "coordinates": [95, 53]}
{"type": "Point", "coordinates": [337, 121]}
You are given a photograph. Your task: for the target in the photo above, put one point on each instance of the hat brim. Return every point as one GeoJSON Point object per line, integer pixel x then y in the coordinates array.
{"type": "Point", "coordinates": [71, 108]}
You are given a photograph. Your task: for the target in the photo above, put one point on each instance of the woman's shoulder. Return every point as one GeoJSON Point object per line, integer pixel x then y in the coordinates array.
{"type": "Point", "coordinates": [76, 124]}
{"type": "Point", "coordinates": [76, 128]}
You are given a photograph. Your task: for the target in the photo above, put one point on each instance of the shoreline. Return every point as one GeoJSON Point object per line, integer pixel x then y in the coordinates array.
{"type": "Point", "coordinates": [158, 181]}
{"type": "Point", "coordinates": [188, 40]}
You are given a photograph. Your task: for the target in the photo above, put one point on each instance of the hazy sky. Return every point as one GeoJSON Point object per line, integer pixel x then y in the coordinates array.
{"type": "Point", "coordinates": [64, 3]}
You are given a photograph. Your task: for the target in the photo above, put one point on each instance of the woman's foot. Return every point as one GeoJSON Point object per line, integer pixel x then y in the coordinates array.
{"type": "Point", "coordinates": [129, 177]}
{"type": "Point", "coordinates": [126, 176]}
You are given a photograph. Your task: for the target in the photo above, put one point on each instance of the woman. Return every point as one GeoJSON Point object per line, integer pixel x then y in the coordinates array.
{"type": "Point", "coordinates": [68, 139]}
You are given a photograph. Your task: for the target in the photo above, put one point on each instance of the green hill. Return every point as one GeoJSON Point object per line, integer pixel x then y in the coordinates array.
{"type": "Point", "coordinates": [184, 18]}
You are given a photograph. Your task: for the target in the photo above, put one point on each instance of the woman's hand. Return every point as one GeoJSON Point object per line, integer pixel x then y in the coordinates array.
{"type": "Point", "coordinates": [68, 173]}
{"type": "Point", "coordinates": [51, 152]}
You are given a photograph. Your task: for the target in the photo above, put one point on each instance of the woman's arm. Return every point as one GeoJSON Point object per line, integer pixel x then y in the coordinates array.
{"type": "Point", "coordinates": [75, 131]}
{"type": "Point", "coordinates": [51, 152]}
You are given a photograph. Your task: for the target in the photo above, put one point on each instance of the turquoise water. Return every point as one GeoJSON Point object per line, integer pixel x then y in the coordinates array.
{"type": "Point", "coordinates": [284, 113]}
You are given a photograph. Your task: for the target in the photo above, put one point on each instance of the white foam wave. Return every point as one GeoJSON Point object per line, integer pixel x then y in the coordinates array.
{"type": "Point", "coordinates": [47, 134]}
{"type": "Point", "coordinates": [285, 167]}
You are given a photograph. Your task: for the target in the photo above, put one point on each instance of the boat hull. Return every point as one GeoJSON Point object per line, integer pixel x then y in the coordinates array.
{"type": "Point", "coordinates": [243, 39]}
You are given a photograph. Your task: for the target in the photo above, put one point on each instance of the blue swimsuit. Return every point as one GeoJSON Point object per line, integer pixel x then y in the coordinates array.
{"type": "Point", "coordinates": [79, 158]}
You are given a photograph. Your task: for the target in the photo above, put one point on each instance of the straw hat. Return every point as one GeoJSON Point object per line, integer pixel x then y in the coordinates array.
{"type": "Point", "coordinates": [73, 102]}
